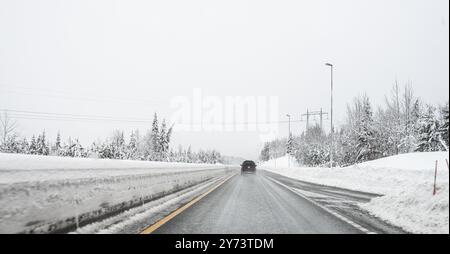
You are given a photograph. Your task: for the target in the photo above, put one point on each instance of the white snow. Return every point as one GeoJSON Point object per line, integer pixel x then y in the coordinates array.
{"type": "Point", "coordinates": [286, 161]}
{"type": "Point", "coordinates": [406, 181]}
{"type": "Point", "coordinates": [43, 193]}
{"type": "Point", "coordinates": [415, 209]}
{"type": "Point", "coordinates": [16, 168]}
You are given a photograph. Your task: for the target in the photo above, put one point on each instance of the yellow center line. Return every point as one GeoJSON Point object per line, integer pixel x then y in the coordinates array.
{"type": "Point", "coordinates": [158, 224]}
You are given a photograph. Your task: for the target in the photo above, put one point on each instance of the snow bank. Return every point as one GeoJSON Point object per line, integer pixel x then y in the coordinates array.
{"type": "Point", "coordinates": [406, 181]}
{"type": "Point", "coordinates": [27, 168]}
{"type": "Point", "coordinates": [410, 161]}
{"type": "Point", "coordinates": [41, 194]}
{"type": "Point", "coordinates": [414, 209]}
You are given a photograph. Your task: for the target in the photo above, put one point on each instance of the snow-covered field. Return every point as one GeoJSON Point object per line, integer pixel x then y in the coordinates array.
{"type": "Point", "coordinates": [45, 194]}
{"type": "Point", "coordinates": [406, 181]}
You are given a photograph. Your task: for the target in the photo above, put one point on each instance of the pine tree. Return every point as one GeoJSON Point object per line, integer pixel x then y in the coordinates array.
{"type": "Point", "coordinates": [67, 149]}
{"type": "Point", "coordinates": [24, 146]}
{"type": "Point", "coordinates": [104, 151]}
{"type": "Point", "coordinates": [33, 145]}
{"type": "Point", "coordinates": [118, 145]}
{"type": "Point", "coordinates": [367, 147]}
{"type": "Point", "coordinates": [265, 156]}
{"type": "Point", "coordinates": [190, 158]}
{"type": "Point", "coordinates": [78, 150]}
{"type": "Point", "coordinates": [169, 134]}
{"type": "Point", "coordinates": [429, 136]}
{"type": "Point", "coordinates": [58, 142]}
{"type": "Point", "coordinates": [38, 145]}
{"type": "Point", "coordinates": [41, 145]}
{"type": "Point", "coordinates": [154, 139]}
{"type": "Point", "coordinates": [410, 139]}
{"type": "Point", "coordinates": [132, 149]}
{"type": "Point", "coordinates": [11, 145]}
{"type": "Point", "coordinates": [163, 142]}
{"type": "Point", "coordinates": [444, 126]}
{"type": "Point", "coordinates": [290, 145]}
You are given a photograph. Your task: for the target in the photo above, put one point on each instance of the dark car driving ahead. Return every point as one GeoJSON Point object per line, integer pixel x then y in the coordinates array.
{"type": "Point", "coordinates": [248, 167]}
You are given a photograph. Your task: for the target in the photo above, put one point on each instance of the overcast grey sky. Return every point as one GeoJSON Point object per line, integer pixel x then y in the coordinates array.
{"type": "Point", "coordinates": [128, 58]}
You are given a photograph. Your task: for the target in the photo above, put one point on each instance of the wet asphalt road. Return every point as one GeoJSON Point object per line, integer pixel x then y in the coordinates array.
{"type": "Point", "coordinates": [253, 204]}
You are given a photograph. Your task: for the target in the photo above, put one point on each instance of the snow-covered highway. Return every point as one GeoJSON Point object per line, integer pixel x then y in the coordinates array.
{"type": "Point", "coordinates": [265, 203]}
{"type": "Point", "coordinates": [45, 194]}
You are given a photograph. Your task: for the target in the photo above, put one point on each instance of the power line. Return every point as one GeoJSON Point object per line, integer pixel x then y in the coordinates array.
{"type": "Point", "coordinates": [308, 114]}
{"type": "Point", "coordinates": [72, 115]}
{"type": "Point", "coordinates": [35, 115]}
{"type": "Point", "coordinates": [61, 95]}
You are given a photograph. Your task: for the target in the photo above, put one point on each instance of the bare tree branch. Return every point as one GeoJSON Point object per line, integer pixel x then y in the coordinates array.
{"type": "Point", "coordinates": [8, 127]}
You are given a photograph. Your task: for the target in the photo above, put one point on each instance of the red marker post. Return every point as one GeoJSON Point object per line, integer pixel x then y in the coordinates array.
{"type": "Point", "coordinates": [435, 176]}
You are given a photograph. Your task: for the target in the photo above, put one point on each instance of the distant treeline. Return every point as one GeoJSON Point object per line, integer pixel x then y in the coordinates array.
{"type": "Point", "coordinates": [405, 124]}
{"type": "Point", "coordinates": [153, 146]}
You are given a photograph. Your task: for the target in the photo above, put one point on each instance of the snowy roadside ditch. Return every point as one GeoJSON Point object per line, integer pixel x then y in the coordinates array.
{"type": "Point", "coordinates": [40, 194]}
{"type": "Point", "coordinates": [405, 181]}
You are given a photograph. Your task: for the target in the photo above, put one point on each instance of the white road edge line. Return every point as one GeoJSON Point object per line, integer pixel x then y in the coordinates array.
{"type": "Point", "coordinates": [346, 220]}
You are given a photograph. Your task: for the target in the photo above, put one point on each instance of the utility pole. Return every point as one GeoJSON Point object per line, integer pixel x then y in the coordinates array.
{"type": "Point", "coordinates": [314, 113]}
{"type": "Point", "coordinates": [332, 127]}
{"type": "Point", "coordinates": [307, 120]}
{"type": "Point", "coordinates": [321, 119]}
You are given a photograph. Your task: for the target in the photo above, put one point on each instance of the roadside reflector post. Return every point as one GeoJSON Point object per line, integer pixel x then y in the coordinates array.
{"type": "Point", "coordinates": [435, 177]}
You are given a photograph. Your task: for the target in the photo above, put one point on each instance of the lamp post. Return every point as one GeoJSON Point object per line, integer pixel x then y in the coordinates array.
{"type": "Point", "coordinates": [289, 117]}
{"type": "Point", "coordinates": [332, 127]}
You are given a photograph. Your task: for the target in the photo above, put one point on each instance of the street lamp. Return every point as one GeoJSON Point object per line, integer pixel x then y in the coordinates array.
{"type": "Point", "coordinates": [332, 128]}
{"type": "Point", "coordinates": [289, 117]}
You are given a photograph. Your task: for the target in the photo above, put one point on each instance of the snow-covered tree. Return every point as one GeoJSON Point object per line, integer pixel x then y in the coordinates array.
{"type": "Point", "coordinates": [155, 140]}
{"type": "Point", "coordinates": [41, 145]}
{"type": "Point", "coordinates": [24, 146]}
{"type": "Point", "coordinates": [33, 145]}
{"type": "Point", "coordinates": [73, 149]}
{"type": "Point", "coordinates": [393, 119]}
{"type": "Point", "coordinates": [132, 148]}
{"type": "Point", "coordinates": [79, 150]}
{"type": "Point", "coordinates": [312, 147]}
{"type": "Point", "coordinates": [265, 156]}
{"type": "Point", "coordinates": [105, 151]}
{"type": "Point", "coordinates": [11, 145]}
{"type": "Point", "coordinates": [290, 145]}
{"type": "Point", "coordinates": [444, 126]}
{"type": "Point", "coordinates": [118, 146]}
{"type": "Point", "coordinates": [57, 146]}
{"type": "Point", "coordinates": [429, 132]}
{"type": "Point", "coordinates": [190, 156]}
{"type": "Point", "coordinates": [163, 143]}
{"type": "Point", "coordinates": [367, 147]}
{"type": "Point", "coordinates": [409, 140]}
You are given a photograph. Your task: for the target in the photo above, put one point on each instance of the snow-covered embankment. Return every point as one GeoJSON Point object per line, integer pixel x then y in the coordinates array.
{"type": "Point", "coordinates": [405, 181]}
{"type": "Point", "coordinates": [43, 194]}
